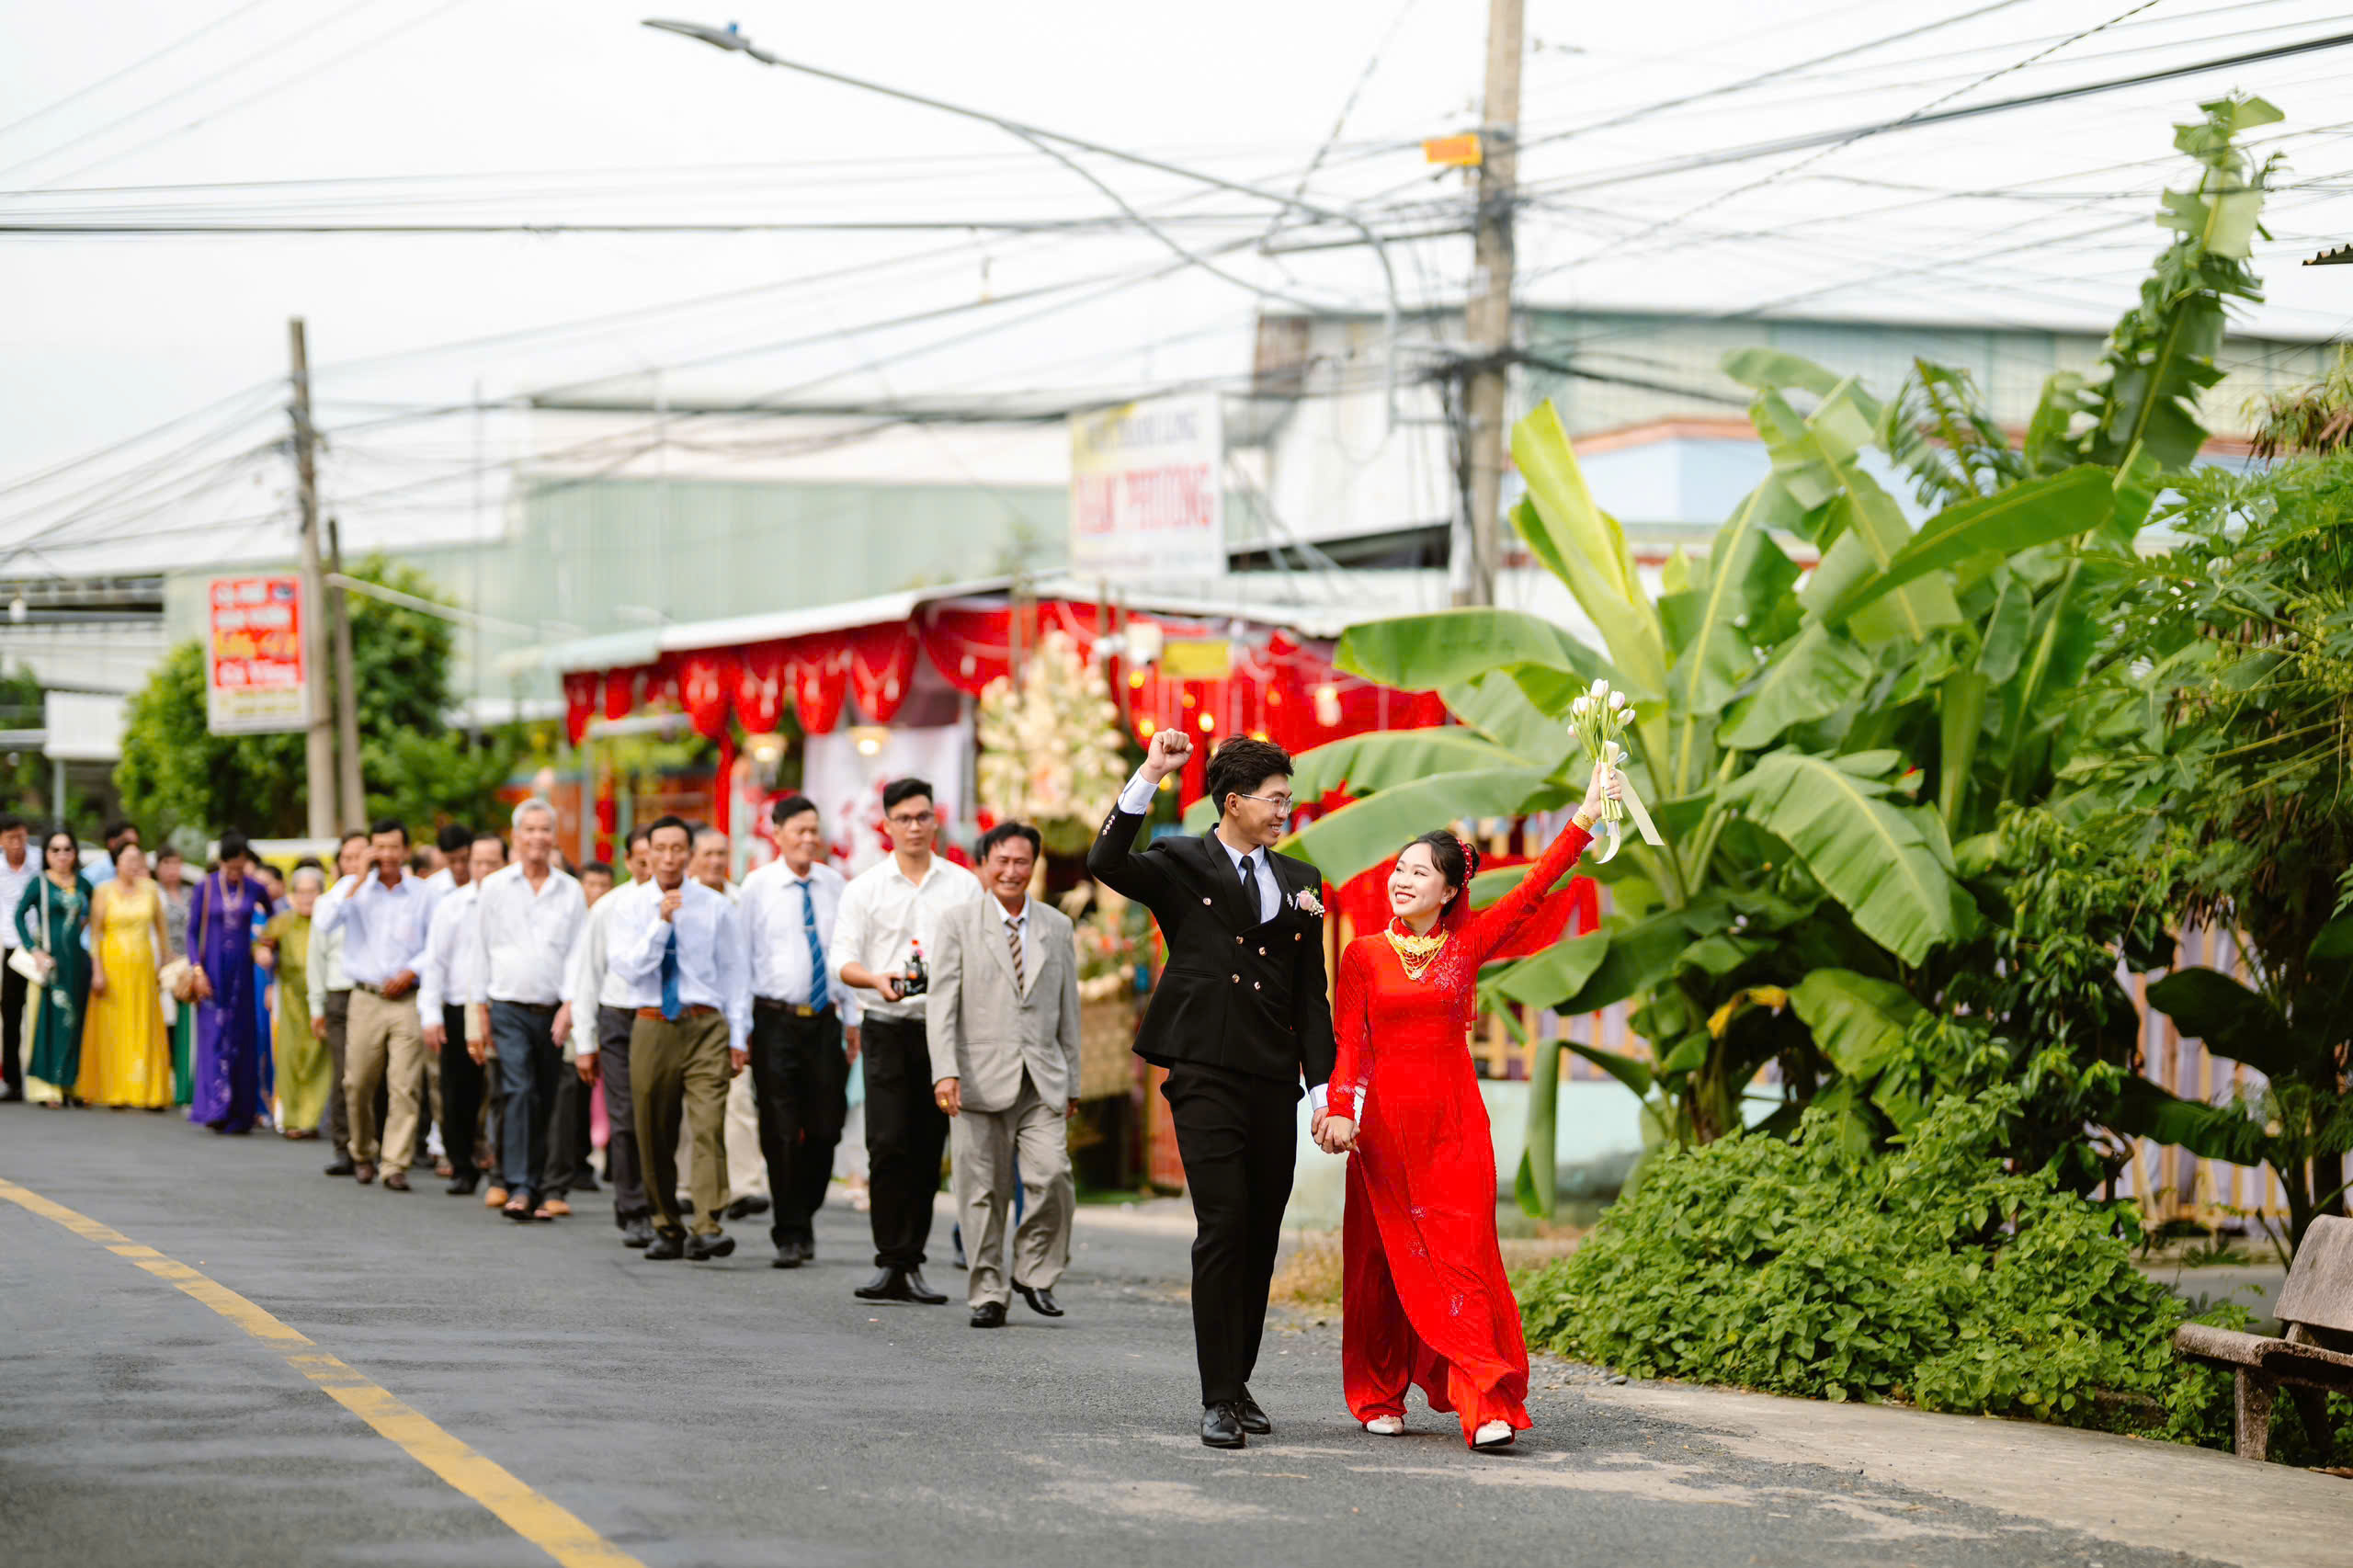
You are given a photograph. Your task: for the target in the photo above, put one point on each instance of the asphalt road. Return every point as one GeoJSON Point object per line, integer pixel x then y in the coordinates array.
{"type": "Point", "coordinates": [733, 1413]}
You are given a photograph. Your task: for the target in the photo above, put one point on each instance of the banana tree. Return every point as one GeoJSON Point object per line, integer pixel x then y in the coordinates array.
{"type": "Point", "coordinates": [1814, 744]}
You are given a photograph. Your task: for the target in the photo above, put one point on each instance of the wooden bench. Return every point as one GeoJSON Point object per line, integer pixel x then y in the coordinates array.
{"type": "Point", "coordinates": [2315, 1356]}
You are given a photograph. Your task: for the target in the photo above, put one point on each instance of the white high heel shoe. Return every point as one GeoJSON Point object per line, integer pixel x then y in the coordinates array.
{"type": "Point", "coordinates": [1386, 1425]}
{"type": "Point", "coordinates": [1494, 1435]}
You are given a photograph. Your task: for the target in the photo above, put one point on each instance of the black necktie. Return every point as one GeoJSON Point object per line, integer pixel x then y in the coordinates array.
{"type": "Point", "coordinates": [1250, 883]}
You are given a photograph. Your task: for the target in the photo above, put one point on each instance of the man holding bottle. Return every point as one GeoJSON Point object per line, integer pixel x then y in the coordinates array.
{"type": "Point", "coordinates": [889, 915]}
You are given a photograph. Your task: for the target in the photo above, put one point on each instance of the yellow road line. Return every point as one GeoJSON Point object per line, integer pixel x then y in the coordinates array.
{"type": "Point", "coordinates": [547, 1525]}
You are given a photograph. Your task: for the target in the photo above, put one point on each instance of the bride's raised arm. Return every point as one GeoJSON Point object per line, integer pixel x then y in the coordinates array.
{"type": "Point", "coordinates": [1490, 929]}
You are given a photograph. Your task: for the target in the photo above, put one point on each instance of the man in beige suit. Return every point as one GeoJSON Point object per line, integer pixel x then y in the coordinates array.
{"type": "Point", "coordinates": [1003, 1021]}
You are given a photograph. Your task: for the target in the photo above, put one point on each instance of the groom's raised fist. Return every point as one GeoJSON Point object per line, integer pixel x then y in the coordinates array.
{"type": "Point", "coordinates": [1167, 751]}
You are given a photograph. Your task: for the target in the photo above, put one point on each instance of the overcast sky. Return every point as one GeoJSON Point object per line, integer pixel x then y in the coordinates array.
{"type": "Point", "coordinates": [499, 111]}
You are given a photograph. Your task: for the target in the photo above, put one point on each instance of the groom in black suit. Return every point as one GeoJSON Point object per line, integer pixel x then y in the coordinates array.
{"type": "Point", "coordinates": [1240, 1018]}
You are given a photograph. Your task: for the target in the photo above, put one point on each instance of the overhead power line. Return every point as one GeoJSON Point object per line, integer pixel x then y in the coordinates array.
{"type": "Point", "coordinates": [78, 94]}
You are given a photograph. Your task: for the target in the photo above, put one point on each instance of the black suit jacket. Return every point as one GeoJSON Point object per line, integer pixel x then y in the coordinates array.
{"type": "Point", "coordinates": [1238, 995]}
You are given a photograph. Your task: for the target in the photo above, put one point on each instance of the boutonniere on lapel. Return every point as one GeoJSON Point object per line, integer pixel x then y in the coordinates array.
{"type": "Point", "coordinates": [1307, 904]}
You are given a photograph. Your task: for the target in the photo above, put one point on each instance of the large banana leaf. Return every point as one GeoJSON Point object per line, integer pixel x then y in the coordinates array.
{"type": "Point", "coordinates": [2035, 512]}
{"type": "Point", "coordinates": [1746, 572]}
{"type": "Point", "coordinates": [1495, 705]}
{"type": "Point", "coordinates": [1383, 759]}
{"type": "Point", "coordinates": [1767, 369]}
{"type": "Point", "coordinates": [1425, 651]}
{"type": "Point", "coordinates": [1857, 1021]}
{"type": "Point", "coordinates": [1371, 831]}
{"type": "Point", "coordinates": [1584, 546]}
{"type": "Point", "coordinates": [1812, 675]}
{"type": "Point", "coordinates": [2212, 1132]}
{"type": "Point", "coordinates": [1562, 969]}
{"type": "Point", "coordinates": [1617, 961]}
{"type": "Point", "coordinates": [1874, 533]}
{"type": "Point", "coordinates": [2233, 1020]}
{"type": "Point", "coordinates": [1890, 866]}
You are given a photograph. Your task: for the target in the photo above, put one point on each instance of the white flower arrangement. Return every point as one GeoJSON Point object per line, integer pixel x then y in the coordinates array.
{"type": "Point", "coordinates": [1050, 747]}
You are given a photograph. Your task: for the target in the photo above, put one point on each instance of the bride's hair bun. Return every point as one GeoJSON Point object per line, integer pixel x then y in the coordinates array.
{"type": "Point", "coordinates": [1470, 860]}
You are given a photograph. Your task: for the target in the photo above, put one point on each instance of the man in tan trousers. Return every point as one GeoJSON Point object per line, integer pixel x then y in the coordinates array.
{"type": "Point", "coordinates": [1003, 1022]}
{"type": "Point", "coordinates": [386, 914]}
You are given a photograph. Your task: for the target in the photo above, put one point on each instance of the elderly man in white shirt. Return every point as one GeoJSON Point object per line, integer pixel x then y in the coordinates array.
{"type": "Point", "coordinates": [450, 983]}
{"type": "Point", "coordinates": [331, 993]}
{"type": "Point", "coordinates": [384, 918]}
{"type": "Point", "coordinates": [529, 916]}
{"type": "Point", "coordinates": [598, 1019]}
{"type": "Point", "coordinates": [887, 918]}
{"type": "Point", "coordinates": [804, 1024]}
{"type": "Point", "coordinates": [678, 948]}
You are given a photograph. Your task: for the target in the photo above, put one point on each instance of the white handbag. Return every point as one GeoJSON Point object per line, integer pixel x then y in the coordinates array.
{"type": "Point", "coordinates": [36, 964]}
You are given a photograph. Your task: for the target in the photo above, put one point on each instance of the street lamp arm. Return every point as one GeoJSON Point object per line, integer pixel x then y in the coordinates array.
{"type": "Point", "coordinates": [1037, 136]}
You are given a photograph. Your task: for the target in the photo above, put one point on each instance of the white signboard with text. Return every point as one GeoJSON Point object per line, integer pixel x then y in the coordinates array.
{"type": "Point", "coordinates": [1147, 493]}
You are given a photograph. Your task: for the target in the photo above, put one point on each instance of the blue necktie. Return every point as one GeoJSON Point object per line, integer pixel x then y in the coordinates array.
{"type": "Point", "coordinates": [671, 1006]}
{"type": "Point", "coordinates": [816, 948]}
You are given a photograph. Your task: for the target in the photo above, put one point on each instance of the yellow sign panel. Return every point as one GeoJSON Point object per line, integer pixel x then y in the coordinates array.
{"type": "Point", "coordinates": [1464, 151]}
{"type": "Point", "coordinates": [1196, 658]}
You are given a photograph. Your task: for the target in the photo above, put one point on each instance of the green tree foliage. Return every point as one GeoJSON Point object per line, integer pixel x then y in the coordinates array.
{"type": "Point", "coordinates": [174, 772]}
{"type": "Point", "coordinates": [2224, 716]}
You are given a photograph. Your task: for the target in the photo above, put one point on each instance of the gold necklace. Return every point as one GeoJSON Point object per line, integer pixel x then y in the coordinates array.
{"type": "Point", "coordinates": [1416, 954]}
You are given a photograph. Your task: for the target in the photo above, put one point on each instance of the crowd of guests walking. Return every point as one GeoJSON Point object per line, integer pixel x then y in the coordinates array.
{"type": "Point", "coordinates": [478, 1008]}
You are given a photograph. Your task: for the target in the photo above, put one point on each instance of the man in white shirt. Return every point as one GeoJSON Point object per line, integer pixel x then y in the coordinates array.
{"type": "Point", "coordinates": [804, 1025]}
{"type": "Point", "coordinates": [19, 866]}
{"type": "Point", "coordinates": [747, 1176]}
{"type": "Point", "coordinates": [678, 949]}
{"type": "Point", "coordinates": [886, 920]}
{"type": "Point", "coordinates": [384, 918]}
{"type": "Point", "coordinates": [598, 1019]}
{"type": "Point", "coordinates": [530, 914]}
{"type": "Point", "coordinates": [448, 985]}
{"type": "Point", "coordinates": [331, 993]}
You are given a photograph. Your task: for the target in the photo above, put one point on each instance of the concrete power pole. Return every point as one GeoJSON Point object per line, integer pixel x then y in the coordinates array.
{"type": "Point", "coordinates": [347, 693]}
{"type": "Point", "coordinates": [1488, 323]}
{"type": "Point", "coordinates": [318, 752]}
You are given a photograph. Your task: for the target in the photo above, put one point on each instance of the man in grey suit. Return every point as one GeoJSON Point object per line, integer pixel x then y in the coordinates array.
{"type": "Point", "coordinates": [1003, 1022]}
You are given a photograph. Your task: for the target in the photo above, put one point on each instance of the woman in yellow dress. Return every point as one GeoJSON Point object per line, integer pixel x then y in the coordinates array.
{"type": "Point", "coordinates": [126, 1051]}
{"type": "Point", "coordinates": [305, 1071]}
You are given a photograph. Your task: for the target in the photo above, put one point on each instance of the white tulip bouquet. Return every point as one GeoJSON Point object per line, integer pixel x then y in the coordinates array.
{"type": "Point", "coordinates": [1598, 719]}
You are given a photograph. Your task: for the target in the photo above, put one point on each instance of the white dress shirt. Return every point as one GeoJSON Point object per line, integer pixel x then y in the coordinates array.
{"type": "Point", "coordinates": [326, 952]}
{"type": "Point", "coordinates": [383, 927]}
{"type": "Point", "coordinates": [523, 938]}
{"type": "Point", "coordinates": [776, 933]}
{"type": "Point", "coordinates": [883, 914]}
{"type": "Point", "coordinates": [712, 969]}
{"type": "Point", "coordinates": [14, 880]}
{"type": "Point", "coordinates": [1136, 799]}
{"type": "Point", "coordinates": [452, 977]}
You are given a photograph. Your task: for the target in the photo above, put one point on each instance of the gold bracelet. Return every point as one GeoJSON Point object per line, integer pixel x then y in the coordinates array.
{"type": "Point", "coordinates": [1584, 824]}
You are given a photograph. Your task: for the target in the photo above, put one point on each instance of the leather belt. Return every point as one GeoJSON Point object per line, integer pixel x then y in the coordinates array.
{"type": "Point", "coordinates": [696, 1011]}
{"type": "Point", "coordinates": [546, 1007]}
{"type": "Point", "coordinates": [797, 1009]}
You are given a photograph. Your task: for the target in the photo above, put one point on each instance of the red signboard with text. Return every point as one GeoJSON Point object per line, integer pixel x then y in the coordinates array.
{"type": "Point", "coordinates": [255, 682]}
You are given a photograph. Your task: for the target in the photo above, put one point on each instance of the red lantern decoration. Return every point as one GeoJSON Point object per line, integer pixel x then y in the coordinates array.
{"type": "Point", "coordinates": [705, 681]}
{"type": "Point", "coordinates": [817, 669]}
{"type": "Point", "coordinates": [881, 668]}
{"type": "Point", "coordinates": [760, 687]}
{"type": "Point", "coordinates": [580, 693]}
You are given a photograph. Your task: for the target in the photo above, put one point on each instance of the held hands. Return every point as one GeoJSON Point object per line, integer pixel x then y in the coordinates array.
{"type": "Point", "coordinates": [1337, 1135]}
{"type": "Point", "coordinates": [1167, 753]}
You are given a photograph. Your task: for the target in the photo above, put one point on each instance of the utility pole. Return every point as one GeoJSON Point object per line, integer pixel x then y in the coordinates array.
{"type": "Point", "coordinates": [1487, 323]}
{"type": "Point", "coordinates": [318, 751]}
{"type": "Point", "coordinates": [346, 692]}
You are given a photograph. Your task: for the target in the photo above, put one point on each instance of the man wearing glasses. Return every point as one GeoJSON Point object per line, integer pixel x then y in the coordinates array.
{"type": "Point", "coordinates": [1240, 1017]}
{"type": "Point", "coordinates": [885, 913]}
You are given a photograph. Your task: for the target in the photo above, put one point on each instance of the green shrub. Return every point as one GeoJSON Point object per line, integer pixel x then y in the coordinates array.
{"type": "Point", "coordinates": [1930, 1273]}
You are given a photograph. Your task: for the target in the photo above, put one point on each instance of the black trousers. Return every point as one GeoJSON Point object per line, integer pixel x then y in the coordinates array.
{"type": "Point", "coordinates": [1237, 1135]}
{"type": "Point", "coordinates": [905, 1135]}
{"type": "Point", "coordinates": [461, 1091]}
{"type": "Point", "coordinates": [12, 1029]}
{"type": "Point", "coordinates": [338, 1106]}
{"type": "Point", "coordinates": [569, 1136]}
{"type": "Point", "coordinates": [624, 1164]}
{"type": "Point", "coordinates": [800, 1086]}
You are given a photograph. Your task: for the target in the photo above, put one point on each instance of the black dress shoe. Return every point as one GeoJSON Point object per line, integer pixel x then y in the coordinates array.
{"type": "Point", "coordinates": [918, 1290]}
{"type": "Point", "coordinates": [664, 1247]}
{"type": "Point", "coordinates": [888, 1285]}
{"type": "Point", "coordinates": [586, 1182]}
{"type": "Point", "coordinates": [806, 1249]}
{"type": "Point", "coordinates": [989, 1314]}
{"type": "Point", "coordinates": [1042, 1300]}
{"type": "Point", "coordinates": [788, 1255]}
{"type": "Point", "coordinates": [1253, 1419]}
{"type": "Point", "coordinates": [341, 1167]}
{"type": "Point", "coordinates": [745, 1208]}
{"type": "Point", "coordinates": [463, 1184]}
{"type": "Point", "coordinates": [1221, 1428]}
{"type": "Point", "coordinates": [638, 1233]}
{"type": "Point", "coordinates": [702, 1249]}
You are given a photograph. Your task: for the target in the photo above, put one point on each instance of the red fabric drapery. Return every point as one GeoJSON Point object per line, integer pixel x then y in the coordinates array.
{"type": "Point", "coordinates": [760, 687]}
{"type": "Point", "coordinates": [621, 692]}
{"type": "Point", "coordinates": [817, 671]}
{"type": "Point", "coordinates": [881, 668]}
{"type": "Point", "coordinates": [581, 690]}
{"type": "Point", "coordinates": [706, 682]}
